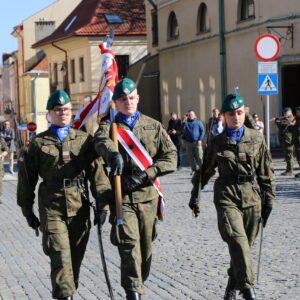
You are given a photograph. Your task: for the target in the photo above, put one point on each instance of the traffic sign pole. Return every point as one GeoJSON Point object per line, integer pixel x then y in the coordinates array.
{"type": "Point", "coordinates": [267, 122]}
{"type": "Point", "coordinates": [267, 48]}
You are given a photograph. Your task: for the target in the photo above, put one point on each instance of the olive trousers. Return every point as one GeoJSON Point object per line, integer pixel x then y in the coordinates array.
{"type": "Point", "coordinates": [238, 228]}
{"type": "Point", "coordinates": [134, 240]}
{"type": "Point", "coordinates": [64, 241]}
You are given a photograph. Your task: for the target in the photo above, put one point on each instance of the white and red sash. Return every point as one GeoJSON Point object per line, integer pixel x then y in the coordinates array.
{"type": "Point", "coordinates": [141, 157]}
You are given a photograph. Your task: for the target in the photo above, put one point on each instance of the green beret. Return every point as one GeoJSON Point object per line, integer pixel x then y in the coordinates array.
{"type": "Point", "coordinates": [286, 109]}
{"type": "Point", "coordinates": [297, 108]}
{"type": "Point", "coordinates": [59, 97]}
{"type": "Point", "coordinates": [232, 102]}
{"type": "Point", "coordinates": [123, 88]}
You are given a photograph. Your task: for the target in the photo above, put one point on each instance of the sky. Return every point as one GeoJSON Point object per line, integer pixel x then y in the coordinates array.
{"type": "Point", "coordinates": [13, 12]}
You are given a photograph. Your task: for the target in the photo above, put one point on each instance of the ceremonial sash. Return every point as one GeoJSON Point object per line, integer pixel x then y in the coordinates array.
{"type": "Point", "coordinates": [141, 157]}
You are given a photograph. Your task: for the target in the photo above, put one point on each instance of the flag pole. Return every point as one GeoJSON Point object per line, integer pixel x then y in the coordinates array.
{"type": "Point", "coordinates": [117, 179]}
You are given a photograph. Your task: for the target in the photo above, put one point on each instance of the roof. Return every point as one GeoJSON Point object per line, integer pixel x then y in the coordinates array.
{"type": "Point", "coordinates": [87, 19]}
{"type": "Point", "coordinates": [41, 65]}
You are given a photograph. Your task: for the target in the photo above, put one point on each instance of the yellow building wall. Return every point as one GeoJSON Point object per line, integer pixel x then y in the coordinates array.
{"type": "Point", "coordinates": [190, 65]}
{"type": "Point", "coordinates": [56, 11]}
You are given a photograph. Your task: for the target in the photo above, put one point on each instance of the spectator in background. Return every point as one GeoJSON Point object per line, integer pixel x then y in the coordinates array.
{"type": "Point", "coordinates": [218, 127]}
{"type": "Point", "coordinates": [259, 125]}
{"type": "Point", "coordinates": [193, 134]}
{"type": "Point", "coordinates": [174, 130]}
{"type": "Point", "coordinates": [249, 122]}
{"type": "Point", "coordinates": [8, 134]}
{"type": "Point", "coordinates": [213, 120]}
{"type": "Point", "coordinates": [3, 152]}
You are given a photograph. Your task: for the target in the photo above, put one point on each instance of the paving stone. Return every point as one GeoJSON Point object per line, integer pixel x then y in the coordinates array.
{"type": "Point", "coordinates": [190, 260]}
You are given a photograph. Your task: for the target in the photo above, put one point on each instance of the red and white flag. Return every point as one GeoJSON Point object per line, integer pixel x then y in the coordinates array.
{"type": "Point", "coordinates": [108, 80]}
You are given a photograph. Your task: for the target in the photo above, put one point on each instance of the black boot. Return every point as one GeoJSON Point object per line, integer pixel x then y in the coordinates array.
{"type": "Point", "coordinates": [66, 298]}
{"type": "Point", "coordinates": [230, 293]}
{"type": "Point", "coordinates": [248, 294]}
{"type": "Point", "coordinates": [130, 295]}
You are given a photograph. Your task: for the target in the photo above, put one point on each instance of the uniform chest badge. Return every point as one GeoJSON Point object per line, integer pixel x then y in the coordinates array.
{"type": "Point", "coordinates": [66, 156]}
{"type": "Point", "coordinates": [242, 156]}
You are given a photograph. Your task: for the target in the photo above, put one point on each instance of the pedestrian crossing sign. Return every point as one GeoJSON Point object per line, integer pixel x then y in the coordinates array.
{"type": "Point", "coordinates": [267, 84]}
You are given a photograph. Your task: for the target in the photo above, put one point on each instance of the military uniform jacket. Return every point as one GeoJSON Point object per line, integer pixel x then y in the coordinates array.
{"type": "Point", "coordinates": [237, 163]}
{"type": "Point", "coordinates": [297, 132]}
{"type": "Point", "coordinates": [157, 143]}
{"type": "Point", "coordinates": [286, 129]}
{"type": "Point", "coordinates": [57, 163]}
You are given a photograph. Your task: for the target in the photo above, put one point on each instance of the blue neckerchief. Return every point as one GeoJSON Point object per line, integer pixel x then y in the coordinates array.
{"type": "Point", "coordinates": [130, 120]}
{"type": "Point", "coordinates": [61, 132]}
{"type": "Point", "coordinates": [235, 134]}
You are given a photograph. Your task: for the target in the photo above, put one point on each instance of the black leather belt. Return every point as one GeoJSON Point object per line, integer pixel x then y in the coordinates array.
{"type": "Point", "coordinates": [69, 182]}
{"type": "Point", "coordinates": [237, 179]}
{"type": "Point", "coordinates": [245, 178]}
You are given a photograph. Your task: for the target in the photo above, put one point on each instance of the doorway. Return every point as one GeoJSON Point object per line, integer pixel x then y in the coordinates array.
{"type": "Point", "coordinates": [290, 86]}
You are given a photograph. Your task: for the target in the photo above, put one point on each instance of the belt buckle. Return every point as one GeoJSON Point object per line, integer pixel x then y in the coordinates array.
{"type": "Point", "coordinates": [241, 179]}
{"type": "Point", "coordinates": [67, 182]}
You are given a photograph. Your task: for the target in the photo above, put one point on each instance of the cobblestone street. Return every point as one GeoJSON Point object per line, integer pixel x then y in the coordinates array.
{"type": "Point", "coordinates": [189, 260]}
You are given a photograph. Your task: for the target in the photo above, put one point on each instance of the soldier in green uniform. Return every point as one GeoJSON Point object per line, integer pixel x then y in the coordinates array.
{"type": "Point", "coordinates": [140, 198]}
{"type": "Point", "coordinates": [3, 152]}
{"type": "Point", "coordinates": [243, 193]}
{"type": "Point", "coordinates": [297, 137]}
{"type": "Point", "coordinates": [285, 125]}
{"type": "Point", "coordinates": [62, 158]}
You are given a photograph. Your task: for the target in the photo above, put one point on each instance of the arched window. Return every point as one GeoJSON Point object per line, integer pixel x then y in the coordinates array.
{"type": "Point", "coordinates": [173, 30]}
{"type": "Point", "coordinates": [202, 20]}
{"type": "Point", "coordinates": [246, 10]}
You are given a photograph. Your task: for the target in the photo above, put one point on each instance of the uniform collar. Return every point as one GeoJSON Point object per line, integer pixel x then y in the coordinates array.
{"type": "Point", "coordinates": [49, 135]}
{"type": "Point", "coordinates": [245, 138]}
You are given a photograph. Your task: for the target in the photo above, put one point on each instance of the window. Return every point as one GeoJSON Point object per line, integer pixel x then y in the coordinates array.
{"type": "Point", "coordinates": [81, 69]}
{"type": "Point", "coordinates": [246, 9]}
{"type": "Point", "coordinates": [73, 70]}
{"type": "Point", "coordinates": [173, 30]}
{"type": "Point", "coordinates": [123, 65]}
{"type": "Point", "coordinates": [113, 19]}
{"type": "Point", "coordinates": [70, 23]}
{"type": "Point", "coordinates": [154, 27]}
{"type": "Point", "coordinates": [202, 21]}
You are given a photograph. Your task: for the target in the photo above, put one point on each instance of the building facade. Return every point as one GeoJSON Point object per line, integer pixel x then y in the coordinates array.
{"type": "Point", "coordinates": [206, 49]}
{"type": "Point", "coordinates": [73, 52]}
{"type": "Point", "coordinates": [31, 30]}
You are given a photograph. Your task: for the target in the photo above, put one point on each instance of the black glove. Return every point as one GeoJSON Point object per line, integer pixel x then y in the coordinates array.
{"type": "Point", "coordinates": [100, 217]}
{"type": "Point", "coordinates": [133, 181]}
{"type": "Point", "coordinates": [194, 206]}
{"type": "Point", "coordinates": [31, 218]}
{"type": "Point", "coordinates": [116, 164]}
{"type": "Point", "coordinates": [266, 211]}
{"type": "Point", "coordinates": [33, 221]}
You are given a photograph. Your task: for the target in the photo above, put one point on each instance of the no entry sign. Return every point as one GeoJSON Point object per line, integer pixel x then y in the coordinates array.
{"type": "Point", "coordinates": [31, 126]}
{"type": "Point", "coordinates": [267, 47]}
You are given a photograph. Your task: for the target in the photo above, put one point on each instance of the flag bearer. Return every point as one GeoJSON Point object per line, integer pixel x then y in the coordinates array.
{"type": "Point", "coordinates": [140, 197]}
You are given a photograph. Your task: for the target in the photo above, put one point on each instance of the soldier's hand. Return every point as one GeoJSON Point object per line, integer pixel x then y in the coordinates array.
{"type": "Point", "coordinates": [31, 218]}
{"type": "Point", "coordinates": [266, 211]}
{"type": "Point", "coordinates": [116, 164]}
{"type": "Point", "coordinates": [100, 217]}
{"type": "Point", "coordinates": [33, 221]}
{"type": "Point", "coordinates": [194, 206]}
{"type": "Point", "coordinates": [132, 182]}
